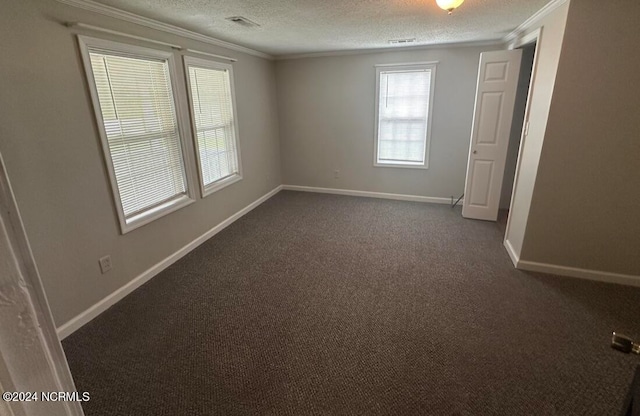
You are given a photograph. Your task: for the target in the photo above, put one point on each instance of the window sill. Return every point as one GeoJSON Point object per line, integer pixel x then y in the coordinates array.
{"type": "Point", "coordinates": [222, 183]}
{"type": "Point", "coordinates": [401, 165]}
{"type": "Point", "coordinates": [154, 213]}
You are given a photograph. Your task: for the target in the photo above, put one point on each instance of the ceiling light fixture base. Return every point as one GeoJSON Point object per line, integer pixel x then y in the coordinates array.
{"type": "Point", "coordinates": [449, 5]}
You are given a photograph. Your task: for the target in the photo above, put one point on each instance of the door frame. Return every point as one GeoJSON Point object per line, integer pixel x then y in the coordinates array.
{"type": "Point", "coordinates": [534, 36]}
{"type": "Point", "coordinates": [27, 319]}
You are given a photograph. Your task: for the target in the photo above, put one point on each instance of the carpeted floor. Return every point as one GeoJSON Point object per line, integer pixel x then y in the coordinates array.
{"type": "Point", "coordinates": [331, 305]}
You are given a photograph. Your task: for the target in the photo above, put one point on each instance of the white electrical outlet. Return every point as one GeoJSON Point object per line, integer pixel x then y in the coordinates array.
{"type": "Point", "coordinates": [105, 264]}
{"type": "Point", "coordinates": [336, 174]}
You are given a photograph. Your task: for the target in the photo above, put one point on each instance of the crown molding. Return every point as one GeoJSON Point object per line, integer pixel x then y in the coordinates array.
{"type": "Point", "coordinates": [157, 25]}
{"type": "Point", "coordinates": [528, 24]}
{"type": "Point", "coordinates": [119, 14]}
{"type": "Point", "coordinates": [490, 42]}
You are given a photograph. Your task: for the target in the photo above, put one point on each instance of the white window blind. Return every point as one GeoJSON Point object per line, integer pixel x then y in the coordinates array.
{"type": "Point", "coordinates": [212, 109]}
{"type": "Point", "coordinates": [141, 135]}
{"type": "Point", "coordinates": [404, 98]}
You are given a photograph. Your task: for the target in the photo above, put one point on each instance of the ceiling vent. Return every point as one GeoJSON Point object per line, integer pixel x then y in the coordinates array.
{"type": "Point", "coordinates": [402, 41]}
{"type": "Point", "coordinates": [243, 21]}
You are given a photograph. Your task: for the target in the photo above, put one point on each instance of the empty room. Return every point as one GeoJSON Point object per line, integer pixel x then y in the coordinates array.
{"type": "Point", "coordinates": [286, 207]}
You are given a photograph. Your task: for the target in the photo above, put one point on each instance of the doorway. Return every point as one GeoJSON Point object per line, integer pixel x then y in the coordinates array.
{"type": "Point", "coordinates": [518, 131]}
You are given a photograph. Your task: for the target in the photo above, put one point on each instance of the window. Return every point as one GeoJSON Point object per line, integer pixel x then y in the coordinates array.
{"type": "Point", "coordinates": [134, 101]}
{"type": "Point", "coordinates": [211, 95]}
{"type": "Point", "coordinates": [404, 100]}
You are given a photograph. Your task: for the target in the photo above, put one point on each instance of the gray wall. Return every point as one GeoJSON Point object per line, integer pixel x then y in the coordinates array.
{"type": "Point", "coordinates": [326, 110]}
{"type": "Point", "coordinates": [585, 210]}
{"type": "Point", "coordinates": [50, 144]}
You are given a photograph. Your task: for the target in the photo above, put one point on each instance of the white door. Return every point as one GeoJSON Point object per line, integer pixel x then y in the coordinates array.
{"type": "Point", "coordinates": [495, 98]}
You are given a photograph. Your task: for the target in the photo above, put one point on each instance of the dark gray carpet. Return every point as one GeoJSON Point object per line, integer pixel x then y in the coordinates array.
{"type": "Point", "coordinates": [331, 305]}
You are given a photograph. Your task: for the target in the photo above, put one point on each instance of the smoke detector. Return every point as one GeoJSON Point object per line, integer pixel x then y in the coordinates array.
{"type": "Point", "coordinates": [402, 41]}
{"type": "Point", "coordinates": [242, 21]}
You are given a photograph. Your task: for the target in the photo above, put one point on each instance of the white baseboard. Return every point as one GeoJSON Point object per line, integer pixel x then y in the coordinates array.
{"type": "Point", "coordinates": [600, 276]}
{"type": "Point", "coordinates": [76, 323]}
{"type": "Point", "coordinates": [515, 258]}
{"type": "Point", "coordinates": [83, 318]}
{"type": "Point", "coordinates": [368, 194]}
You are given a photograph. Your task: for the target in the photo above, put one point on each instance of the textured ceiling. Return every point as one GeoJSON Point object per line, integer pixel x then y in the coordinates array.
{"type": "Point", "coordinates": [306, 26]}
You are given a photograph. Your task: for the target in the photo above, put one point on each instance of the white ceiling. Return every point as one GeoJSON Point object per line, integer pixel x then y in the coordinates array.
{"type": "Point", "coordinates": [305, 26]}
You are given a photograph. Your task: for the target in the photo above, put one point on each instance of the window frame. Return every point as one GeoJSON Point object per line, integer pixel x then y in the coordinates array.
{"type": "Point", "coordinates": [206, 190]}
{"type": "Point", "coordinates": [160, 210]}
{"type": "Point", "coordinates": [405, 67]}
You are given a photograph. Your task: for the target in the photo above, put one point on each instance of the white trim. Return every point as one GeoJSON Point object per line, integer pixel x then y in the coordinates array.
{"type": "Point", "coordinates": [221, 183]}
{"type": "Point", "coordinates": [596, 275]}
{"type": "Point", "coordinates": [401, 67]}
{"type": "Point", "coordinates": [600, 276]}
{"type": "Point", "coordinates": [530, 22]}
{"type": "Point", "coordinates": [208, 189]}
{"type": "Point", "coordinates": [157, 25]}
{"type": "Point", "coordinates": [408, 64]}
{"type": "Point", "coordinates": [490, 42]}
{"type": "Point", "coordinates": [72, 25]}
{"type": "Point", "coordinates": [83, 318]}
{"type": "Point", "coordinates": [119, 14]}
{"type": "Point", "coordinates": [213, 55]}
{"type": "Point", "coordinates": [368, 194]}
{"type": "Point", "coordinates": [515, 258]}
{"type": "Point", "coordinates": [157, 212]}
{"type": "Point", "coordinates": [178, 201]}
{"type": "Point", "coordinates": [168, 28]}
{"type": "Point", "coordinates": [400, 165]}
{"type": "Point", "coordinates": [534, 36]}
